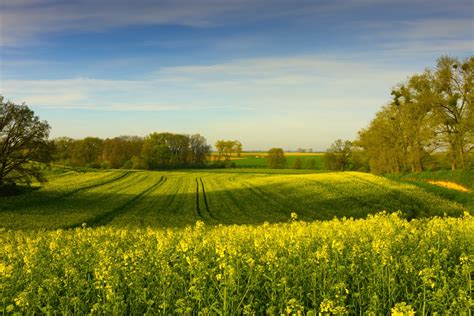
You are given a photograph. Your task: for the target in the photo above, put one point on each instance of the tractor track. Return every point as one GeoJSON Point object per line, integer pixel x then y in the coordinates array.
{"type": "Point", "coordinates": [265, 196]}
{"type": "Point", "coordinates": [198, 209]}
{"type": "Point", "coordinates": [95, 185]}
{"type": "Point", "coordinates": [206, 203]}
{"type": "Point", "coordinates": [60, 196]}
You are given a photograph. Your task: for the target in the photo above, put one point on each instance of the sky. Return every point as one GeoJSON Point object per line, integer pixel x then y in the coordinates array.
{"type": "Point", "coordinates": [270, 73]}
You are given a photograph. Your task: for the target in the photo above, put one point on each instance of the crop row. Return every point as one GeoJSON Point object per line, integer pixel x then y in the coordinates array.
{"type": "Point", "coordinates": [170, 199]}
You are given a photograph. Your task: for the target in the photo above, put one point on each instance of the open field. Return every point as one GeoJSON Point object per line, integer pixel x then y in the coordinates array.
{"type": "Point", "coordinates": [153, 243]}
{"type": "Point", "coordinates": [258, 160]}
{"type": "Point", "coordinates": [180, 198]}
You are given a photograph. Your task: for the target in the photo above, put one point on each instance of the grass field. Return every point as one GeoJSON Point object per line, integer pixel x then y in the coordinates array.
{"type": "Point", "coordinates": [258, 160]}
{"type": "Point", "coordinates": [145, 242]}
{"type": "Point", "coordinates": [177, 199]}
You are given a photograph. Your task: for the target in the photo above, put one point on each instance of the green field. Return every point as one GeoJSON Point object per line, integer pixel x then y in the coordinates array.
{"type": "Point", "coordinates": [259, 160]}
{"type": "Point", "coordinates": [180, 198]}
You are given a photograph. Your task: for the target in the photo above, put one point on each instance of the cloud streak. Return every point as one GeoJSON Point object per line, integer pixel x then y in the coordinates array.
{"type": "Point", "coordinates": [272, 83]}
{"type": "Point", "coordinates": [26, 21]}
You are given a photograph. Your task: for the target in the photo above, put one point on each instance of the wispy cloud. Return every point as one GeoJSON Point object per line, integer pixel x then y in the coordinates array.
{"type": "Point", "coordinates": [25, 21]}
{"type": "Point", "coordinates": [272, 83]}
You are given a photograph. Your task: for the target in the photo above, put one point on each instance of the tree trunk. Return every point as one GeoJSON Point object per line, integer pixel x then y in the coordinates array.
{"type": "Point", "coordinates": [461, 151]}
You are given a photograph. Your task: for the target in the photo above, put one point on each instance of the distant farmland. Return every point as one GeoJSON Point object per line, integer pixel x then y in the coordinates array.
{"type": "Point", "coordinates": [258, 159]}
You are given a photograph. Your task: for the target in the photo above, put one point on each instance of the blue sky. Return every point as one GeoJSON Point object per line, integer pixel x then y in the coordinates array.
{"type": "Point", "coordinates": [269, 73]}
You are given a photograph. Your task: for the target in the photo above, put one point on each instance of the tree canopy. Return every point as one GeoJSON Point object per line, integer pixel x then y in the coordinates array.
{"type": "Point", "coordinates": [23, 143]}
{"type": "Point", "coordinates": [155, 151]}
{"type": "Point", "coordinates": [276, 158]}
{"type": "Point", "coordinates": [430, 115]}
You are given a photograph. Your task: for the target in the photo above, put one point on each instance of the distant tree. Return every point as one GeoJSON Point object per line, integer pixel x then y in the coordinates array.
{"type": "Point", "coordinates": [137, 162]}
{"type": "Point", "coordinates": [220, 147]}
{"type": "Point", "coordinates": [297, 163]}
{"type": "Point", "coordinates": [119, 150]}
{"type": "Point", "coordinates": [23, 143]}
{"type": "Point", "coordinates": [237, 147]}
{"type": "Point", "coordinates": [228, 149]}
{"type": "Point", "coordinates": [338, 155]}
{"type": "Point", "coordinates": [155, 153]}
{"type": "Point", "coordinates": [225, 148]}
{"type": "Point", "coordinates": [199, 149]}
{"type": "Point", "coordinates": [310, 163]}
{"type": "Point", "coordinates": [62, 149]}
{"type": "Point", "coordinates": [276, 158]}
{"type": "Point", "coordinates": [87, 152]}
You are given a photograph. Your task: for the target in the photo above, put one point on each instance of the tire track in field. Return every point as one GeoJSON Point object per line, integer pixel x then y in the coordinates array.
{"type": "Point", "coordinates": [198, 210]}
{"type": "Point", "coordinates": [267, 197]}
{"type": "Point", "coordinates": [42, 201]}
{"type": "Point", "coordinates": [205, 200]}
{"type": "Point", "coordinates": [336, 188]}
{"type": "Point", "coordinates": [95, 185]}
{"type": "Point", "coordinates": [171, 197]}
{"type": "Point", "coordinates": [107, 217]}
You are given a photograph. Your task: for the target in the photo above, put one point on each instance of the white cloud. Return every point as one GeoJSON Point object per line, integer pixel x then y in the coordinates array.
{"type": "Point", "coordinates": [268, 83]}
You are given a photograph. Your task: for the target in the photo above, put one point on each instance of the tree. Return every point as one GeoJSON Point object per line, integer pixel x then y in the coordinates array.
{"type": "Point", "coordinates": [338, 155]}
{"type": "Point", "coordinates": [119, 150]}
{"type": "Point", "coordinates": [431, 115]}
{"type": "Point", "coordinates": [62, 149]}
{"type": "Point", "coordinates": [87, 152]}
{"type": "Point", "coordinates": [225, 148]}
{"type": "Point", "coordinates": [199, 149]}
{"type": "Point", "coordinates": [237, 147]}
{"type": "Point", "coordinates": [454, 83]}
{"type": "Point", "coordinates": [23, 143]}
{"type": "Point", "coordinates": [276, 158]}
{"type": "Point", "coordinates": [297, 163]}
{"type": "Point", "coordinates": [310, 163]}
{"type": "Point", "coordinates": [220, 146]}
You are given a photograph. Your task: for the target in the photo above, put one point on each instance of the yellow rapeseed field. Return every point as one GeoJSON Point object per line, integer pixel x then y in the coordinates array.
{"type": "Point", "coordinates": [449, 185]}
{"type": "Point", "coordinates": [380, 265]}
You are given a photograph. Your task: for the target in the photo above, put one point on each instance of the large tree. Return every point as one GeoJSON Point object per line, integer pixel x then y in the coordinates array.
{"type": "Point", "coordinates": [454, 85]}
{"type": "Point", "coordinates": [23, 143]}
{"type": "Point", "coordinates": [430, 116]}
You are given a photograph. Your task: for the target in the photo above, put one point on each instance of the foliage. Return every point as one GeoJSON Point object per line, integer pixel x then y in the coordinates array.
{"type": "Point", "coordinates": [225, 148]}
{"type": "Point", "coordinates": [380, 265]}
{"type": "Point", "coordinates": [276, 158]}
{"type": "Point", "coordinates": [156, 151]}
{"type": "Point", "coordinates": [297, 163]}
{"type": "Point", "coordinates": [429, 114]}
{"type": "Point", "coordinates": [23, 143]}
{"type": "Point", "coordinates": [338, 156]}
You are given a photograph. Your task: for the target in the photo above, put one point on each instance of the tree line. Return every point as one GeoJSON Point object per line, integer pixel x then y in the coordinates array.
{"type": "Point", "coordinates": [155, 151]}
{"type": "Point", "coordinates": [428, 124]}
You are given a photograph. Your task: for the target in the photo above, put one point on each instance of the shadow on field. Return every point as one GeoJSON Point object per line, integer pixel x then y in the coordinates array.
{"type": "Point", "coordinates": [249, 204]}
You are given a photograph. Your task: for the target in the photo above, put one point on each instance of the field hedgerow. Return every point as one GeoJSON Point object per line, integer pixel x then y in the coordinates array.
{"type": "Point", "coordinates": [382, 264]}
